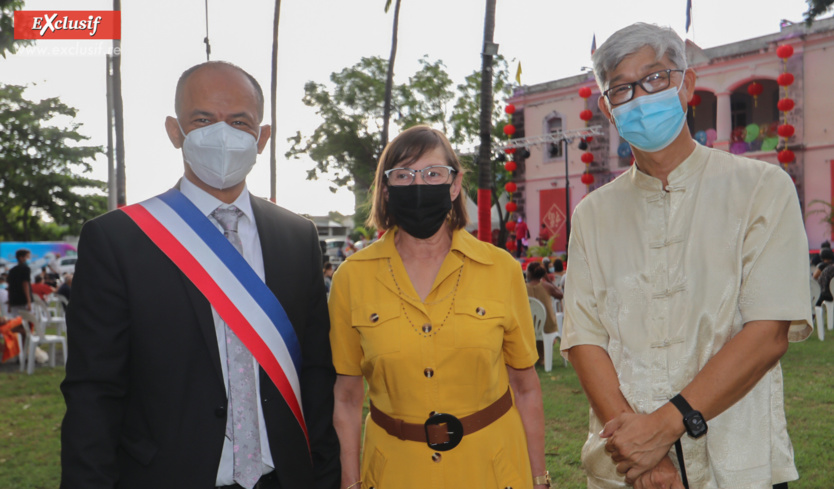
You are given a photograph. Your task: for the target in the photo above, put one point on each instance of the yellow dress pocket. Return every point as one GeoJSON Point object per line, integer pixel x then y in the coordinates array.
{"type": "Point", "coordinates": [373, 478]}
{"type": "Point", "coordinates": [506, 473]}
{"type": "Point", "coordinates": [377, 328]}
{"type": "Point", "coordinates": [479, 323]}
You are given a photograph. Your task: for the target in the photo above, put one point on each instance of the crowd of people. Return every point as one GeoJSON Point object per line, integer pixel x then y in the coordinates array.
{"type": "Point", "coordinates": [17, 291]}
{"type": "Point", "coordinates": [268, 355]}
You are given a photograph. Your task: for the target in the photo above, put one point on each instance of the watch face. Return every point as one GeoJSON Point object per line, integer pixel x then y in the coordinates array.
{"type": "Point", "coordinates": [696, 426]}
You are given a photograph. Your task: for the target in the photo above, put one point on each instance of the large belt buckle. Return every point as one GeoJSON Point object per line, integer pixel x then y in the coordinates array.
{"type": "Point", "coordinates": [454, 430]}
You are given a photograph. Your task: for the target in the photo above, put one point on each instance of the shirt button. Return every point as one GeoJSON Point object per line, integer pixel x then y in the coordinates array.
{"type": "Point", "coordinates": [427, 328]}
{"type": "Point", "coordinates": [436, 457]}
{"type": "Point", "coordinates": [480, 311]}
{"type": "Point", "coordinates": [220, 412]}
{"type": "Point", "coordinates": [374, 317]}
{"type": "Point", "coordinates": [429, 373]}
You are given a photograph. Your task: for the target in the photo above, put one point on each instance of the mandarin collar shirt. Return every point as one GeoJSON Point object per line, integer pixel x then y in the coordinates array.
{"type": "Point", "coordinates": [662, 277]}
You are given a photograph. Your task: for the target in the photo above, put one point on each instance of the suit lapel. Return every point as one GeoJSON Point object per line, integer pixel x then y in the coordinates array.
{"type": "Point", "coordinates": [272, 247]}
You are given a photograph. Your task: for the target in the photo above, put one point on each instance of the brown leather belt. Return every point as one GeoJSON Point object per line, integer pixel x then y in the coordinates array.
{"type": "Point", "coordinates": [443, 431]}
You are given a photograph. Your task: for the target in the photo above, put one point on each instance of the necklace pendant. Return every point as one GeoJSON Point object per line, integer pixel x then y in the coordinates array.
{"type": "Point", "coordinates": [427, 328]}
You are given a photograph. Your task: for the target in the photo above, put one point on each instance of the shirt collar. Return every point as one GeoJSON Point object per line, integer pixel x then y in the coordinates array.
{"type": "Point", "coordinates": [462, 241]}
{"type": "Point", "coordinates": [207, 203]}
{"type": "Point", "coordinates": [688, 167]}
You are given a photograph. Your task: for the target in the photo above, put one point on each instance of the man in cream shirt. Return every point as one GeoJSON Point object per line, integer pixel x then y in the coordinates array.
{"type": "Point", "coordinates": [687, 280]}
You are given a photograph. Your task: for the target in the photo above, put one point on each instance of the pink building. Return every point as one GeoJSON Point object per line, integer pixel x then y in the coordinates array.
{"type": "Point", "coordinates": [727, 117]}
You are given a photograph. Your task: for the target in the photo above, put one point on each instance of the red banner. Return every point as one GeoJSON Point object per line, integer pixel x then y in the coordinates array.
{"type": "Point", "coordinates": [67, 24]}
{"type": "Point", "coordinates": [552, 211]}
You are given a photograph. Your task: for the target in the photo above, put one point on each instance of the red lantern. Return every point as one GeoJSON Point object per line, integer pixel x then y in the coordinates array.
{"type": "Point", "coordinates": [785, 130]}
{"type": "Point", "coordinates": [510, 165]}
{"type": "Point", "coordinates": [588, 139]}
{"type": "Point", "coordinates": [510, 151]}
{"type": "Point", "coordinates": [786, 104]}
{"type": "Point", "coordinates": [510, 225]}
{"type": "Point", "coordinates": [510, 187]}
{"type": "Point", "coordinates": [785, 51]}
{"type": "Point", "coordinates": [511, 207]}
{"type": "Point", "coordinates": [755, 89]}
{"type": "Point", "coordinates": [785, 80]}
{"type": "Point", "coordinates": [585, 92]}
{"type": "Point", "coordinates": [587, 178]}
{"type": "Point", "coordinates": [587, 158]}
{"type": "Point", "coordinates": [695, 100]}
{"type": "Point", "coordinates": [510, 109]}
{"type": "Point", "coordinates": [586, 115]}
{"type": "Point", "coordinates": [509, 129]}
{"type": "Point", "coordinates": [510, 245]}
{"type": "Point", "coordinates": [785, 156]}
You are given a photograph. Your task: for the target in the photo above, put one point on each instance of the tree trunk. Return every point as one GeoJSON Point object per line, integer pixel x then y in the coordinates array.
{"type": "Point", "coordinates": [485, 150]}
{"type": "Point", "coordinates": [389, 80]}
{"type": "Point", "coordinates": [273, 169]}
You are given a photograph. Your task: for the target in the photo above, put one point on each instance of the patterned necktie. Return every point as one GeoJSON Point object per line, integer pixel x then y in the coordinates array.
{"type": "Point", "coordinates": [242, 420]}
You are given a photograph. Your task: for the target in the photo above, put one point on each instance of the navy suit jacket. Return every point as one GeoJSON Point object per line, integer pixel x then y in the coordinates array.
{"type": "Point", "coordinates": [145, 394]}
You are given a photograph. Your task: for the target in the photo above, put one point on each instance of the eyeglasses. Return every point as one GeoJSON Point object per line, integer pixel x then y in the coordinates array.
{"type": "Point", "coordinates": [432, 175]}
{"type": "Point", "coordinates": [651, 83]}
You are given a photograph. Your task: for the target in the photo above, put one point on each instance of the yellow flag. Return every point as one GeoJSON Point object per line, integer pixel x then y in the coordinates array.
{"type": "Point", "coordinates": [518, 74]}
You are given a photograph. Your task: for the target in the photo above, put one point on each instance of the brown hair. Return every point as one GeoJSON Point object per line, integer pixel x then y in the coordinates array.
{"type": "Point", "coordinates": [408, 147]}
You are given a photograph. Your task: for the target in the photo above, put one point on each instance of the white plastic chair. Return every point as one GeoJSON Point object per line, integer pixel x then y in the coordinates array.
{"type": "Point", "coordinates": [539, 314]}
{"type": "Point", "coordinates": [823, 316]}
{"type": "Point", "coordinates": [815, 291]}
{"type": "Point", "coordinates": [830, 318]}
{"type": "Point", "coordinates": [52, 311]}
{"type": "Point", "coordinates": [39, 337]}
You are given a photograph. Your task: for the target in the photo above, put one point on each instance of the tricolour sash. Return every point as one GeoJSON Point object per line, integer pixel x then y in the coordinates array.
{"type": "Point", "coordinates": [229, 283]}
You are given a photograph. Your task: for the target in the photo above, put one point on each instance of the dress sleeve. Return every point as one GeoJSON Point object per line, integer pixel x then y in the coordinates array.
{"type": "Point", "coordinates": [519, 335]}
{"type": "Point", "coordinates": [582, 325]}
{"type": "Point", "coordinates": [344, 339]}
{"type": "Point", "coordinates": [774, 280]}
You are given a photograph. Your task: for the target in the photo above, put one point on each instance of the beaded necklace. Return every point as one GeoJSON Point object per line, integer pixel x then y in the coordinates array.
{"type": "Point", "coordinates": [427, 330]}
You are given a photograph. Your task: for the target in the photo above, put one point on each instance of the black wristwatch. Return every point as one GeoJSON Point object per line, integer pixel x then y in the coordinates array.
{"type": "Point", "coordinates": [693, 420]}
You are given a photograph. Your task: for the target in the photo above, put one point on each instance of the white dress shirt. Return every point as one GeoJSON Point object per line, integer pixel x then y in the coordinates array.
{"type": "Point", "coordinates": [252, 253]}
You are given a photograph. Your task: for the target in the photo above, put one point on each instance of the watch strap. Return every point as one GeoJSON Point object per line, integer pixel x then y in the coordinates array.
{"type": "Point", "coordinates": [682, 405]}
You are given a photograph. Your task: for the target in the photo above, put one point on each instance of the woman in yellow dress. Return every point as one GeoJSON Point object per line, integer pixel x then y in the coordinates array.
{"type": "Point", "coordinates": [439, 325]}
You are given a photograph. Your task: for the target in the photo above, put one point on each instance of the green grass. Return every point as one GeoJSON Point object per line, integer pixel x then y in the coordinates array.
{"type": "Point", "coordinates": [33, 407]}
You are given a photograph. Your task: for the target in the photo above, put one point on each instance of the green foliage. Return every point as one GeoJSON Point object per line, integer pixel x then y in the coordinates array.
{"type": "Point", "coordinates": [542, 251]}
{"type": "Point", "coordinates": [817, 8]}
{"type": "Point", "coordinates": [346, 146]}
{"type": "Point", "coordinates": [8, 44]}
{"type": "Point", "coordinates": [362, 232]}
{"type": "Point", "coordinates": [825, 208]}
{"type": "Point", "coordinates": [33, 407]}
{"type": "Point", "coordinates": [45, 194]}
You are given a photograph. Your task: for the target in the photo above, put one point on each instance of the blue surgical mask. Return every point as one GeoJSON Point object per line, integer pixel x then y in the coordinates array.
{"type": "Point", "coordinates": [651, 122]}
{"type": "Point", "coordinates": [4, 286]}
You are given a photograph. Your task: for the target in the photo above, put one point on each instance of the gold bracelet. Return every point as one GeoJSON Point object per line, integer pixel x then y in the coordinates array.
{"type": "Point", "coordinates": [359, 483]}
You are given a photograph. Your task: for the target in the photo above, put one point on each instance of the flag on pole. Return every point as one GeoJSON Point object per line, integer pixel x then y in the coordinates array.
{"type": "Point", "coordinates": [594, 44]}
{"type": "Point", "coordinates": [688, 14]}
{"type": "Point", "coordinates": [518, 73]}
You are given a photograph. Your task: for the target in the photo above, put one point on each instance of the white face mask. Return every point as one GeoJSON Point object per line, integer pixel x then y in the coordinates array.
{"type": "Point", "coordinates": [220, 155]}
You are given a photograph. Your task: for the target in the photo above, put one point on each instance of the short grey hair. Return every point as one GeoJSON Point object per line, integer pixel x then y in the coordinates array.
{"type": "Point", "coordinates": [629, 40]}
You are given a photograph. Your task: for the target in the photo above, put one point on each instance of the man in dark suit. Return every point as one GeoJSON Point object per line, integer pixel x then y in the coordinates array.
{"type": "Point", "coordinates": [148, 379]}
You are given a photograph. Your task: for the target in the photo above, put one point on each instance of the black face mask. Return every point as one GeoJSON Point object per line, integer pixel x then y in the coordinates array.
{"type": "Point", "coordinates": [420, 209]}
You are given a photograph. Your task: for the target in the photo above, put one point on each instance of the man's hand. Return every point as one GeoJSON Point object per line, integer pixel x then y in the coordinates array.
{"type": "Point", "coordinates": [638, 442]}
{"type": "Point", "coordinates": [662, 476]}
